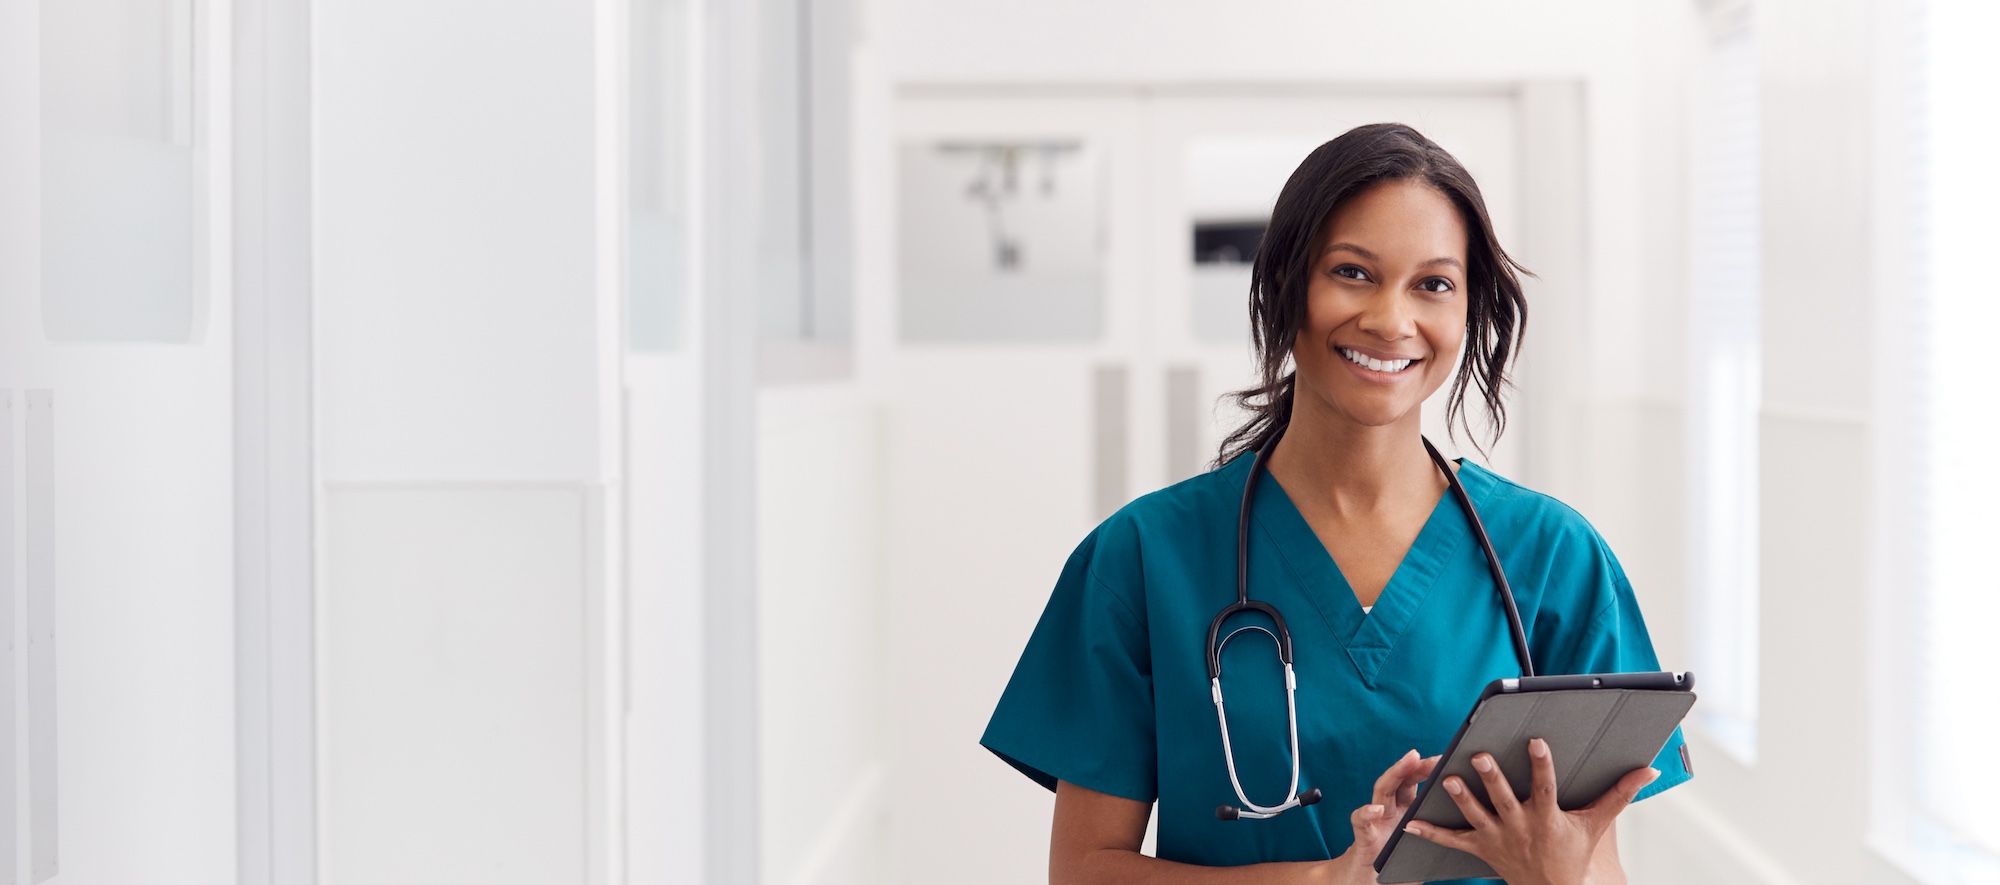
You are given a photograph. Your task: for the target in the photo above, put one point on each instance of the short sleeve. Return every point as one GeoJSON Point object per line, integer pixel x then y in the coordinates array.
{"type": "Point", "coordinates": [1079, 706]}
{"type": "Point", "coordinates": [1615, 641]}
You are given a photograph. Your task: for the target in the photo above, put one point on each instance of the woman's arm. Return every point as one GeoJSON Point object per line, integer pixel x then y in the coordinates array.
{"type": "Point", "coordinates": [1096, 842]}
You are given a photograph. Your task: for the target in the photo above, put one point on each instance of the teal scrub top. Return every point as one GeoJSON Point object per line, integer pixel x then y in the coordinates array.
{"type": "Point", "coordinates": [1112, 690]}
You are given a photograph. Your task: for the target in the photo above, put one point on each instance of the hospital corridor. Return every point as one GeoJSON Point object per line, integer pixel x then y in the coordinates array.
{"type": "Point", "coordinates": [732, 442]}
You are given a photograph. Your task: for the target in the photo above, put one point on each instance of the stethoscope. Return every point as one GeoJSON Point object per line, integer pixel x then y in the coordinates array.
{"type": "Point", "coordinates": [1283, 637]}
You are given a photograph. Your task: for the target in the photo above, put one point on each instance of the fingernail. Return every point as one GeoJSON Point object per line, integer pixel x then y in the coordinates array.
{"type": "Point", "coordinates": [1413, 830]}
{"type": "Point", "coordinates": [1482, 762]}
{"type": "Point", "coordinates": [1538, 747]}
{"type": "Point", "coordinates": [1452, 785]}
{"type": "Point", "coordinates": [1654, 776]}
{"type": "Point", "coordinates": [1410, 755]}
{"type": "Point", "coordinates": [1374, 810]}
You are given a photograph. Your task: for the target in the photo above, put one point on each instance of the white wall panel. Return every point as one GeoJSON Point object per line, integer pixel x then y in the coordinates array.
{"type": "Point", "coordinates": [456, 156]}
{"type": "Point", "coordinates": [663, 624]}
{"type": "Point", "coordinates": [454, 696]}
{"type": "Point", "coordinates": [821, 633]}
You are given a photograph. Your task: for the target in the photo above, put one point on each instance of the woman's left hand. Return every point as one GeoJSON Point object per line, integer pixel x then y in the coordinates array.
{"type": "Point", "coordinates": [1533, 842]}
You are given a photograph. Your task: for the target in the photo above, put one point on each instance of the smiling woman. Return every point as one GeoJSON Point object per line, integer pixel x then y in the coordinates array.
{"type": "Point", "coordinates": [1380, 266]}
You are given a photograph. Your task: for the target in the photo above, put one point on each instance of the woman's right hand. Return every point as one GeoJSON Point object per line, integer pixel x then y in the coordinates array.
{"type": "Point", "coordinates": [1394, 791]}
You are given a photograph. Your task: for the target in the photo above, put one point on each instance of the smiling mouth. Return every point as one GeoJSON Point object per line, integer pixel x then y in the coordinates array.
{"type": "Point", "coordinates": [1390, 367]}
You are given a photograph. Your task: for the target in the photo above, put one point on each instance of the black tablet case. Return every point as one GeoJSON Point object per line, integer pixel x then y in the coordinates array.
{"type": "Point", "coordinates": [1598, 727]}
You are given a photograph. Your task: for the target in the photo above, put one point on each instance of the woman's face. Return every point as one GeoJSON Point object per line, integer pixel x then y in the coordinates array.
{"type": "Point", "coordinates": [1385, 310]}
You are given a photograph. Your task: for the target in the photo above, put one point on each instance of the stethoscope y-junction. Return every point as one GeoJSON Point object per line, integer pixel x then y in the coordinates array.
{"type": "Point", "coordinates": [1283, 637]}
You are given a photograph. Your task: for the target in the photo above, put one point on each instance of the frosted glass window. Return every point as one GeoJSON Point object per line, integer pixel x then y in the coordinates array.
{"type": "Point", "coordinates": [118, 170]}
{"type": "Point", "coordinates": [1001, 241]}
{"type": "Point", "coordinates": [1725, 390]}
{"type": "Point", "coordinates": [1957, 826]}
{"type": "Point", "coordinates": [657, 258]}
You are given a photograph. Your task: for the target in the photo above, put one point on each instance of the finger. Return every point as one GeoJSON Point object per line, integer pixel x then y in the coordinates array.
{"type": "Point", "coordinates": [1387, 784]}
{"type": "Point", "coordinates": [1607, 807]}
{"type": "Point", "coordinates": [1423, 770]}
{"type": "Point", "coordinates": [1498, 791]}
{"type": "Point", "coordinates": [1449, 838]}
{"type": "Point", "coordinates": [1366, 818]}
{"type": "Point", "coordinates": [1543, 763]}
{"type": "Point", "coordinates": [1427, 766]}
{"type": "Point", "coordinates": [1469, 805]}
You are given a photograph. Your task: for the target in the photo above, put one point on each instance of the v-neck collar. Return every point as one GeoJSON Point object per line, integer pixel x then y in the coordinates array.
{"type": "Point", "coordinates": [1369, 637]}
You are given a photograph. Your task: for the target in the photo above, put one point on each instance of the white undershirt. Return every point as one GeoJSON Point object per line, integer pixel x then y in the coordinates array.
{"type": "Point", "coordinates": [1367, 608]}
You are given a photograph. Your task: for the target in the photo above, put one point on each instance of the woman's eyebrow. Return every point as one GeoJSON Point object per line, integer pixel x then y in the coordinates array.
{"type": "Point", "coordinates": [1364, 253]}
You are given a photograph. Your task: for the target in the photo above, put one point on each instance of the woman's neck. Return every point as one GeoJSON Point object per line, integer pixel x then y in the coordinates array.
{"type": "Point", "coordinates": [1354, 469]}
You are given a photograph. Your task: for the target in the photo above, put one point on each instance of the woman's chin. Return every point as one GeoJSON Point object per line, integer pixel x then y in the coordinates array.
{"type": "Point", "coordinates": [1376, 414]}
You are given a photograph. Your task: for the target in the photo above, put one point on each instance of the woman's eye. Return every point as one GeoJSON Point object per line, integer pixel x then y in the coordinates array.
{"type": "Point", "coordinates": [1435, 284]}
{"type": "Point", "coordinates": [1351, 272]}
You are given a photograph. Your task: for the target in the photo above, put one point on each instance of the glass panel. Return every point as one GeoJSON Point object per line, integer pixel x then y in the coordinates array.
{"type": "Point", "coordinates": [1726, 391]}
{"type": "Point", "coordinates": [805, 233]}
{"type": "Point", "coordinates": [118, 212]}
{"type": "Point", "coordinates": [656, 261]}
{"type": "Point", "coordinates": [1001, 241]}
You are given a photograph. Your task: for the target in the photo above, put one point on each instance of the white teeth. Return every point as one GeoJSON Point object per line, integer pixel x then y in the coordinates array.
{"type": "Point", "coordinates": [1390, 366]}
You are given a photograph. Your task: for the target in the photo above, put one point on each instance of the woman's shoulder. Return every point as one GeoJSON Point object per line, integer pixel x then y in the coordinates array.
{"type": "Point", "coordinates": [1520, 517]}
{"type": "Point", "coordinates": [1195, 507]}
{"type": "Point", "coordinates": [1195, 510]}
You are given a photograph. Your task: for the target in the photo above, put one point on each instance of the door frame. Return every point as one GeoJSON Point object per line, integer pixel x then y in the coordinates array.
{"type": "Point", "coordinates": [270, 163]}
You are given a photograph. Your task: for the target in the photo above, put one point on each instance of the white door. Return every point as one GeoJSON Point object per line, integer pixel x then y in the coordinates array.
{"type": "Point", "coordinates": [1011, 434]}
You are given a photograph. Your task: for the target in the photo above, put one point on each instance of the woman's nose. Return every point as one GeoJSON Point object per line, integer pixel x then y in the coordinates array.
{"type": "Point", "coordinates": [1387, 316]}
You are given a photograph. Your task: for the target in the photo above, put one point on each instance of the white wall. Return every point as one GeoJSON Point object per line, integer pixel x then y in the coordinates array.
{"type": "Point", "coordinates": [143, 683]}
{"type": "Point", "coordinates": [822, 631]}
{"type": "Point", "coordinates": [454, 683]}
{"type": "Point", "coordinates": [827, 753]}
{"type": "Point", "coordinates": [468, 398]}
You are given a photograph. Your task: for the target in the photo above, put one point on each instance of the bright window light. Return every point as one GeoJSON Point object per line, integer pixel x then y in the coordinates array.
{"type": "Point", "coordinates": [1957, 603]}
{"type": "Point", "coordinates": [1725, 390]}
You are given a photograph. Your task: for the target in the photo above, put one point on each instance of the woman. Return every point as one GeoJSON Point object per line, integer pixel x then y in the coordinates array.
{"type": "Point", "coordinates": [1378, 266]}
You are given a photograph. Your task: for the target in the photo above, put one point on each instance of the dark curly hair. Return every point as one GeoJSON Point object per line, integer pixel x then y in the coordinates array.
{"type": "Point", "coordinates": [1495, 316]}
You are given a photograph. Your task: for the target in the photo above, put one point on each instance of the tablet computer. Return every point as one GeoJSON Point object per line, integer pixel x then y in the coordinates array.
{"type": "Point", "coordinates": [1598, 727]}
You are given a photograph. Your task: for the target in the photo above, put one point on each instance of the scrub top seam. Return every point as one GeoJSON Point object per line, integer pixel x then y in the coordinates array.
{"type": "Point", "coordinates": [1420, 593]}
{"type": "Point", "coordinates": [1285, 557]}
{"type": "Point", "coordinates": [1130, 615]}
{"type": "Point", "coordinates": [1299, 570]}
{"type": "Point", "coordinates": [1610, 606]}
